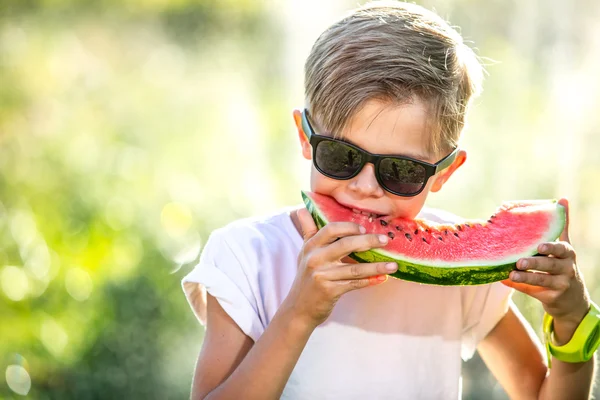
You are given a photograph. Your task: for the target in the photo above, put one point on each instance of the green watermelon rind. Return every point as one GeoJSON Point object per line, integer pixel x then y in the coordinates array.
{"type": "Point", "coordinates": [443, 276]}
{"type": "Point", "coordinates": [439, 275]}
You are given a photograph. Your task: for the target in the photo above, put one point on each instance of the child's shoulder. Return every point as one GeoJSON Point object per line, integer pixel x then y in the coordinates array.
{"type": "Point", "coordinates": [267, 228]}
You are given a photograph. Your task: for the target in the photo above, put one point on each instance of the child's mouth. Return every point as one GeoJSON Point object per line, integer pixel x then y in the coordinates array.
{"type": "Point", "coordinates": [367, 213]}
{"type": "Point", "coordinates": [370, 215]}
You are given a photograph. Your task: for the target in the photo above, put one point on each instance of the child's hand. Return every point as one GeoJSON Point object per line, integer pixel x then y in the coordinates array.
{"type": "Point", "coordinates": [554, 279]}
{"type": "Point", "coordinates": [322, 277]}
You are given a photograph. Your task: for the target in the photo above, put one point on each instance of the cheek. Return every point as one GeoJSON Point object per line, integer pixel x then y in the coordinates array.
{"type": "Point", "coordinates": [322, 184]}
{"type": "Point", "coordinates": [410, 207]}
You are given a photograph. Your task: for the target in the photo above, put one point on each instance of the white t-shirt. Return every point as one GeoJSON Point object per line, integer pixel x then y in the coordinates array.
{"type": "Point", "coordinates": [398, 340]}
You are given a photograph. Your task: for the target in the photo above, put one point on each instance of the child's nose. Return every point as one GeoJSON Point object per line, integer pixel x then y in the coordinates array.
{"type": "Point", "coordinates": [365, 183]}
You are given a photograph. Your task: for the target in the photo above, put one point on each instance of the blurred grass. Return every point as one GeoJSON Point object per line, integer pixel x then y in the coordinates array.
{"type": "Point", "coordinates": [129, 130]}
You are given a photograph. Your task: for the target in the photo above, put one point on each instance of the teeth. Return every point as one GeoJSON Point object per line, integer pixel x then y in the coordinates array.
{"type": "Point", "coordinates": [368, 214]}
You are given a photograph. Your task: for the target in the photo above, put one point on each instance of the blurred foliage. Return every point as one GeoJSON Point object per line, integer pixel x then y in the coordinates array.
{"type": "Point", "coordinates": [131, 129]}
{"type": "Point", "coordinates": [103, 154]}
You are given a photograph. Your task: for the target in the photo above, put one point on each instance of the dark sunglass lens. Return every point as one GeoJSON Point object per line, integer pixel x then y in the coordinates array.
{"type": "Point", "coordinates": [337, 159]}
{"type": "Point", "coordinates": [402, 176]}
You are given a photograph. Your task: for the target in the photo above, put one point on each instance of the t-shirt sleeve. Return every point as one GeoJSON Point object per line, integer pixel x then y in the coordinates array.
{"type": "Point", "coordinates": [221, 273]}
{"type": "Point", "coordinates": [483, 307]}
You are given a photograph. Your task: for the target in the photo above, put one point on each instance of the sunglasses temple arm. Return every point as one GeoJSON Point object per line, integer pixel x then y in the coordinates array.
{"type": "Point", "coordinates": [446, 162]}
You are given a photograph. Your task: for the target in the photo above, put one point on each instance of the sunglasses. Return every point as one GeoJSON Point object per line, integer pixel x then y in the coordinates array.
{"type": "Point", "coordinates": [400, 175]}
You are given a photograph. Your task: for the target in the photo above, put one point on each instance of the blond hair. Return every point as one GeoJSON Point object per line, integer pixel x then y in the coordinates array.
{"type": "Point", "coordinates": [392, 51]}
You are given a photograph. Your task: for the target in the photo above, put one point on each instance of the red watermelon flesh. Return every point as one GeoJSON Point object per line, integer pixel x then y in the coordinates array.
{"type": "Point", "coordinates": [470, 252]}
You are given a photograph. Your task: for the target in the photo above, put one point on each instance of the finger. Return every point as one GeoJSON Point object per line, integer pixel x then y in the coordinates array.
{"type": "Point", "coordinates": [353, 284]}
{"type": "Point", "coordinates": [307, 224]}
{"type": "Point", "coordinates": [564, 236]}
{"type": "Point", "coordinates": [557, 249]}
{"type": "Point", "coordinates": [359, 271]}
{"type": "Point", "coordinates": [550, 265]}
{"type": "Point", "coordinates": [376, 280]}
{"type": "Point", "coordinates": [539, 279]}
{"type": "Point", "coordinates": [533, 291]}
{"type": "Point", "coordinates": [350, 244]}
{"type": "Point", "coordinates": [335, 230]}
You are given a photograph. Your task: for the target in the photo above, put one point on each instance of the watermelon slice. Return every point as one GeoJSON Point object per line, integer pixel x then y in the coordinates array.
{"type": "Point", "coordinates": [472, 252]}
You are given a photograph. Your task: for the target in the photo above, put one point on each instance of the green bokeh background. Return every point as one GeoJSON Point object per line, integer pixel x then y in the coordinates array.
{"type": "Point", "coordinates": [131, 129]}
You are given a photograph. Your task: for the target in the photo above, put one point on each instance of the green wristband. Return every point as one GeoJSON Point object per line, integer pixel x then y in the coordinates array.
{"type": "Point", "coordinates": [582, 345]}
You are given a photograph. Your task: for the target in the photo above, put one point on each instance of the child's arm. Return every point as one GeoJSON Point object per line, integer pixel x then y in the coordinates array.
{"type": "Point", "coordinates": [226, 346]}
{"type": "Point", "coordinates": [231, 367]}
{"type": "Point", "coordinates": [513, 352]}
{"type": "Point", "coordinates": [517, 359]}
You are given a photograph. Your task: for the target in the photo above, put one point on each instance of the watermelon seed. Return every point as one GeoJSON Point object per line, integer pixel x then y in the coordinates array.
{"type": "Point", "coordinates": [455, 234]}
{"type": "Point", "coordinates": [425, 240]}
{"type": "Point", "coordinates": [407, 235]}
{"type": "Point", "coordinates": [427, 230]}
{"type": "Point", "coordinates": [440, 238]}
{"type": "Point", "coordinates": [493, 216]}
{"type": "Point", "coordinates": [416, 231]}
{"type": "Point", "coordinates": [490, 221]}
{"type": "Point", "coordinates": [467, 225]}
{"type": "Point", "coordinates": [391, 235]}
{"type": "Point", "coordinates": [459, 227]}
{"type": "Point", "coordinates": [383, 223]}
{"type": "Point", "coordinates": [398, 228]}
{"type": "Point", "coordinates": [446, 232]}
{"type": "Point", "coordinates": [370, 219]}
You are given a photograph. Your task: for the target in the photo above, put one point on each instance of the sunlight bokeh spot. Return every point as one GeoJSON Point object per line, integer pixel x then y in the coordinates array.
{"type": "Point", "coordinates": [18, 379]}
{"type": "Point", "coordinates": [23, 228]}
{"type": "Point", "coordinates": [78, 284]}
{"type": "Point", "coordinates": [176, 219]}
{"type": "Point", "coordinates": [38, 260]}
{"type": "Point", "coordinates": [54, 337]}
{"type": "Point", "coordinates": [37, 287]}
{"type": "Point", "coordinates": [15, 283]}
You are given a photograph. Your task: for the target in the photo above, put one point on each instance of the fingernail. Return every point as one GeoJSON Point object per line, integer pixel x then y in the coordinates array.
{"type": "Point", "coordinates": [543, 249]}
{"type": "Point", "coordinates": [383, 239]}
{"type": "Point", "coordinates": [362, 229]}
{"type": "Point", "coordinates": [382, 278]}
{"type": "Point", "coordinates": [524, 264]}
{"type": "Point", "coordinates": [391, 267]}
{"type": "Point", "coordinates": [516, 277]}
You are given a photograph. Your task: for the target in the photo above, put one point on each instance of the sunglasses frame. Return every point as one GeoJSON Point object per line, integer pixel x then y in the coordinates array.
{"type": "Point", "coordinates": [375, 159]}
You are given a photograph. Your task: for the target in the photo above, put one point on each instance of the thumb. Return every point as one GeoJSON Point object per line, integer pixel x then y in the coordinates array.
{"type": "Point", "coordinates": [564, 236]}
{"type": "Point", "coordinates": [309, 229]}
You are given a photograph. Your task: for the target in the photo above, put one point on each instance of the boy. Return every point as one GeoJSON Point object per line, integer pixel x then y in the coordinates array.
{"type": "Point", "coordinates": [289, 315]}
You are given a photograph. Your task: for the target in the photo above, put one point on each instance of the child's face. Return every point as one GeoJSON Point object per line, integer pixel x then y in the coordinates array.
{"type": "Point", "coordinates": [381, 128]}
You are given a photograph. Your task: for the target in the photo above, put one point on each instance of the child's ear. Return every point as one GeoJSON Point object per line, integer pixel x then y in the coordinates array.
{"type": "Point", "coordinates": [443, 176]}
{"type": "Point", "coordinates": [306, 148]}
